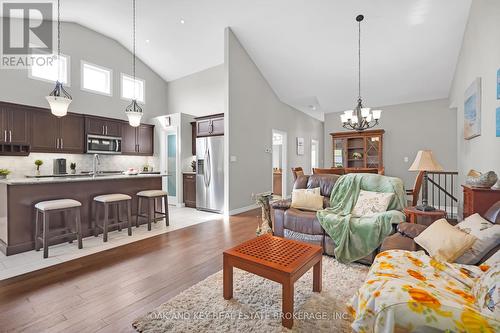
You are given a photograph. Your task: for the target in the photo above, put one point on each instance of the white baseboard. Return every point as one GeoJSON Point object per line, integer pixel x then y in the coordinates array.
{"type": "Point", "coordinates": [242, 209]}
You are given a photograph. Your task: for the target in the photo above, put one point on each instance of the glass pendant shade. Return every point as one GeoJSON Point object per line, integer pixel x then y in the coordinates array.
{"type": "Point", "coordinates": [58, 105]}
{"type": "Point", "coordinates": [377, 114]}
{"type": "Point", "coordinates": [134, 113]}
{"type": "Point", "coordinates": [365, 112]}
{"type": "Point", "coordinates": [59, 100]}
{"type": "Point", "coordinates": [348, 113]}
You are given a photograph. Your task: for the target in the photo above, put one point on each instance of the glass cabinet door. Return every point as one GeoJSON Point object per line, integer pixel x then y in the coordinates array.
{"type": "Point", "coordinates": [373, 153]}
{"type": "Point", "coordinates": [338, 153]}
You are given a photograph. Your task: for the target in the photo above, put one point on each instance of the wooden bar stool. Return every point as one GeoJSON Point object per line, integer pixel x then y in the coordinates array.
{"type": "Point", "coordinates": [111, 201]}
{"type": "Point", "coordinates": [46, 208]}
{"type": "Point", "coordinates": [152, 214]}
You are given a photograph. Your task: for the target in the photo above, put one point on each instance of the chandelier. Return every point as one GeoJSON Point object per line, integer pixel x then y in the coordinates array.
{"type": "Point", "coordinates": [59, 99]}
{"type": "Point", "coordinates": [360, 118]}
{"type": "Point", "coordinates": [133, 110]}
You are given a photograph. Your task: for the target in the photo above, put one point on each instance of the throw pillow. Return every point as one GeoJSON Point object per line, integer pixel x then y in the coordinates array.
{"type": "Point", "coordinates": [444, 242]}
{"type": "Point", "coordinates": [370, 203]}
{"type": "Point", "coordinates": [307, 199]}
{"type": "Point", "coordinates": [487, 292]}
{"type": "Point", "coordinates": [487, 234]}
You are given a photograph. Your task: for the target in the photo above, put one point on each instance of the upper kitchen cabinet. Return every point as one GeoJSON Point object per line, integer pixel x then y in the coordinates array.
{"type": "Point", "coordinates": [50, 134]}
{"type": "Point", "coordinates": [14, 124]}
{"type": "Point", "coordinates": [210, 125]}
{"type": "Point", "coordinates": [103, 126]}
{"type": "Point", "coordinates": [72, 134]}
{"type": "Point", "coordinates": [137, 140]}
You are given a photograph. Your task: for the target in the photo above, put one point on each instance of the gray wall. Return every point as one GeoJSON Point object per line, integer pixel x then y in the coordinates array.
{"type": "Point", "coordinates": [81, 43]}
{"type": "Point", "coordinates": [253, 111]}
{"type": "Point", "coordinates": [408, 129]}
{"type": "Point", "coordinates": [200, 94]}
{"type": "Point", "coordinates": [479, 57]}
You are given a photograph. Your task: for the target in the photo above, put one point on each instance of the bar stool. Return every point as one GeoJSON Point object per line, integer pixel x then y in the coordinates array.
{"type": "Point", "coordinates": [151, 196]}
{"type": "Point", "coordinates": [111, 201]}
{"type": "Point", "coordinates": [46, 208]}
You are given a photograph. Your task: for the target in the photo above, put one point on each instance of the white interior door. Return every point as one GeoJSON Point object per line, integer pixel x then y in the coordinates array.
{"type": "Point", "coordinates": [314, 154]}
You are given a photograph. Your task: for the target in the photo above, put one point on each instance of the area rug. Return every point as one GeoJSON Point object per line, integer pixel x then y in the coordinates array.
{"type": "Point", "coordinates": [256, 304]}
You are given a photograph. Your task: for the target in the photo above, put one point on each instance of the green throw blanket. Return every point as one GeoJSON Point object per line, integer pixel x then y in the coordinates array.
{"type": "Point", "coordinates": [357, 237]}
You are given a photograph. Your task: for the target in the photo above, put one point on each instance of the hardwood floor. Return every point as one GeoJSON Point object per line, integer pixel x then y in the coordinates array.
{"type": "Point", "coordinates": [106, 291]}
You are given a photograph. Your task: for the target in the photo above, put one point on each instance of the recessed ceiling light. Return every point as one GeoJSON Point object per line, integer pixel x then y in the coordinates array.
{"type": "Point", "coordinates": [182, 21]}
{"type": "Point", "coordinates": [147, 40]}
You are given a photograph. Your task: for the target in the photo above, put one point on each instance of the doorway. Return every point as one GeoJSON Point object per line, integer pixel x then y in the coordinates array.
{"type": "Point", "coordinates": [314, 154]}
{"type": "Point", "coordinates": [279, 163]}
{"type": "Point", "coordinates": [171, 165]}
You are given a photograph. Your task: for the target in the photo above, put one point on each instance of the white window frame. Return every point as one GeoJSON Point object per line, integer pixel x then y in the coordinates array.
{"type": "Point", "coordinates": [82, 65]}
{"type": "Point", "coordinates": [315, 142]}
{"type": "Point", "coordinates": [122, 75]}
{"type": "Point", "coordinates": [68, 73]}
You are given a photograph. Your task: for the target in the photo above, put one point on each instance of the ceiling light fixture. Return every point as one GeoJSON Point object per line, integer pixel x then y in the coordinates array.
{"type": "Point", "coordinates": [134, 111]}
{"type": "Point", "coordinates": [59, 99]}
{"type": "Point", "coordinates": [360, 118]}
{"type": "Point", "coordinates": [182, 21]}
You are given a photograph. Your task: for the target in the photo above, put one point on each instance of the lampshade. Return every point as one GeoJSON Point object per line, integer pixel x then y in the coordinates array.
{"type": "Point", "coordinates": [354, 119]}
{"type": "Point", "coordinates": [365, 112]}
{"type": "Point", "coordinates": [348, 113]}
{"type": "Point", "coordinates": [377, 114]}
{"type": "Point", "coordinates": [58, 105]}
{"type": "Point", "coordinates": [425, 162]}
{"type": "Point", "coordinates": [343, 118]}
{"type": "Point", "coordinates": [134, 113]}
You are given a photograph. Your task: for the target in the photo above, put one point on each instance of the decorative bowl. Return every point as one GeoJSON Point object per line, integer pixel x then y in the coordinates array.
{"type": "Point", "coordinates": [478, 179]}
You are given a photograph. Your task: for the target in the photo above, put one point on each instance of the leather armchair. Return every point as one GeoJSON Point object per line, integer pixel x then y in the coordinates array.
{"type": "Point", "coordinates": [403, 239]}
{"type": "Point", "coordinates": [303, 225]}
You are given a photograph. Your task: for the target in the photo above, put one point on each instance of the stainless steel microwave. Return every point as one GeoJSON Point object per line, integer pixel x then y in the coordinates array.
{"type": "Point", "coordinates": [98, 144]}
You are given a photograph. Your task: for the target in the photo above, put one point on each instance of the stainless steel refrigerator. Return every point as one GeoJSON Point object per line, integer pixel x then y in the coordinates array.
{"type": "Point", "coordinates": [210, 173]}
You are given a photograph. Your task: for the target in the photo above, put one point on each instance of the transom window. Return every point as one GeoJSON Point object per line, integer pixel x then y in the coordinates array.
{"type": "Point", "coordinates": [96, 78]}
{"type": "Point", "coordinates": [48, 71]}
{"type": "Point", "coordinates": [132, 90]}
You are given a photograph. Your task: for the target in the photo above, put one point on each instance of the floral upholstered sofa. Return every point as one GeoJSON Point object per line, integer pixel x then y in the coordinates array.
{"type": "Point", "coordinates": [409, 291]}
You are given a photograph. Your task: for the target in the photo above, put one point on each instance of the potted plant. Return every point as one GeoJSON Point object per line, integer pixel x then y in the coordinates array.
{"type": "Point", "coordinates": [4, 173]}
{"type": "Point", "coordinates": [38, 163]}
{"type": "Point", "coordinates": [72, 168]}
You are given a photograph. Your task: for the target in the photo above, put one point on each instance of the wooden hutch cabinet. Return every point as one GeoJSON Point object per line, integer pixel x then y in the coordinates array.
{"type": "Point", "coordinates": [358, 149]}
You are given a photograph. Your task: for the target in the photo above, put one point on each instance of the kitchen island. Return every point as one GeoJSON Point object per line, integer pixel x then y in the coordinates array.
{"type": "Point", "coordinates": [17, 214]}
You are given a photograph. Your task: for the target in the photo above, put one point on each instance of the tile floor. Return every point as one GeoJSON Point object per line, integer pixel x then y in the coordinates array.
{"type": "Point", "coordinates": [30, 261]}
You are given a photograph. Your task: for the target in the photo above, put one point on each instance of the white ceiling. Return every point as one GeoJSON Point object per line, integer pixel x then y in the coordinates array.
{"type": "Point", "coordinates": [306, 49]}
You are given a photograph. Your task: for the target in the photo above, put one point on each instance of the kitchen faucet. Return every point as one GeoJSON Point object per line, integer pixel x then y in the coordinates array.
{"type": "Point", "coordinates": [95, 163]}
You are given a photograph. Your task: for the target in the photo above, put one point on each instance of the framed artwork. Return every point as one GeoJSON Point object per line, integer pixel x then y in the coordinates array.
{"type": "Point", "coordinates": [498, 84]}
{"type": "Point", "coordinates": [300, 146]}
{"type": "Point", "coordinates": [472, 110]}
{"type": "Point", "coordinates": [498, 122]}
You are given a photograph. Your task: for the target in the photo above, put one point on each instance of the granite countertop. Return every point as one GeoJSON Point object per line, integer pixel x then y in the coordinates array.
{"type": "Point", "coordinates": [76, 178]}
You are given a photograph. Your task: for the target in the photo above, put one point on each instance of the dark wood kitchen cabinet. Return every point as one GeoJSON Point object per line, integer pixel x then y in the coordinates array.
{"type": "Point", "coordinates": [193, 138]}
{"type": "Point", "coordinates": [189, 189]}
{"type": "Point", "coordinates": [103, 126]}
{"type": "Point", "coordinates": [50, 134]}
{"type": "Point", "coordinates": [14, 124]}
{"type": "Point", "coordinates": [210, 125]}
{"type": "Point", "coordinates": [137, 140]}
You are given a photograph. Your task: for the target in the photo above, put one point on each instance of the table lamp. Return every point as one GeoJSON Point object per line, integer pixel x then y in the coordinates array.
{"type": "Point", "coordinates": [425, 162]}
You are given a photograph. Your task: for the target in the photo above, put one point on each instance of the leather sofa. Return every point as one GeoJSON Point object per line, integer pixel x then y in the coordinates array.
{"type": "Point", "coordinates": [303, 225]}
{"type": "Point", "coordinates": [406, 232]}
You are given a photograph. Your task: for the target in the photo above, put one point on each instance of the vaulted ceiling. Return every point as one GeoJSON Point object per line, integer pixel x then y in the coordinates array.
{"type": "Point", "coordinates": [306, 49]}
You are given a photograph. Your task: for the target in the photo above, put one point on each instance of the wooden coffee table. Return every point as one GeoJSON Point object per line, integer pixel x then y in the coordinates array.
{"type": "Point", "coordinates": [277, 259]}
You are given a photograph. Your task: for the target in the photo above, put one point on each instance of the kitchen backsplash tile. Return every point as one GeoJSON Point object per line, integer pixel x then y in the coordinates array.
{"type": "Point", "coordinates": [21, 166]}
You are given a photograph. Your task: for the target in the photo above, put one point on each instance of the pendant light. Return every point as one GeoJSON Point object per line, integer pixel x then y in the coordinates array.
{"type": "Point", "coordinates": [59, 99]}
{"type": "Point", "coordinates": [134, 111]}
{"type": "Point", "coordinates": [360, 118]}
